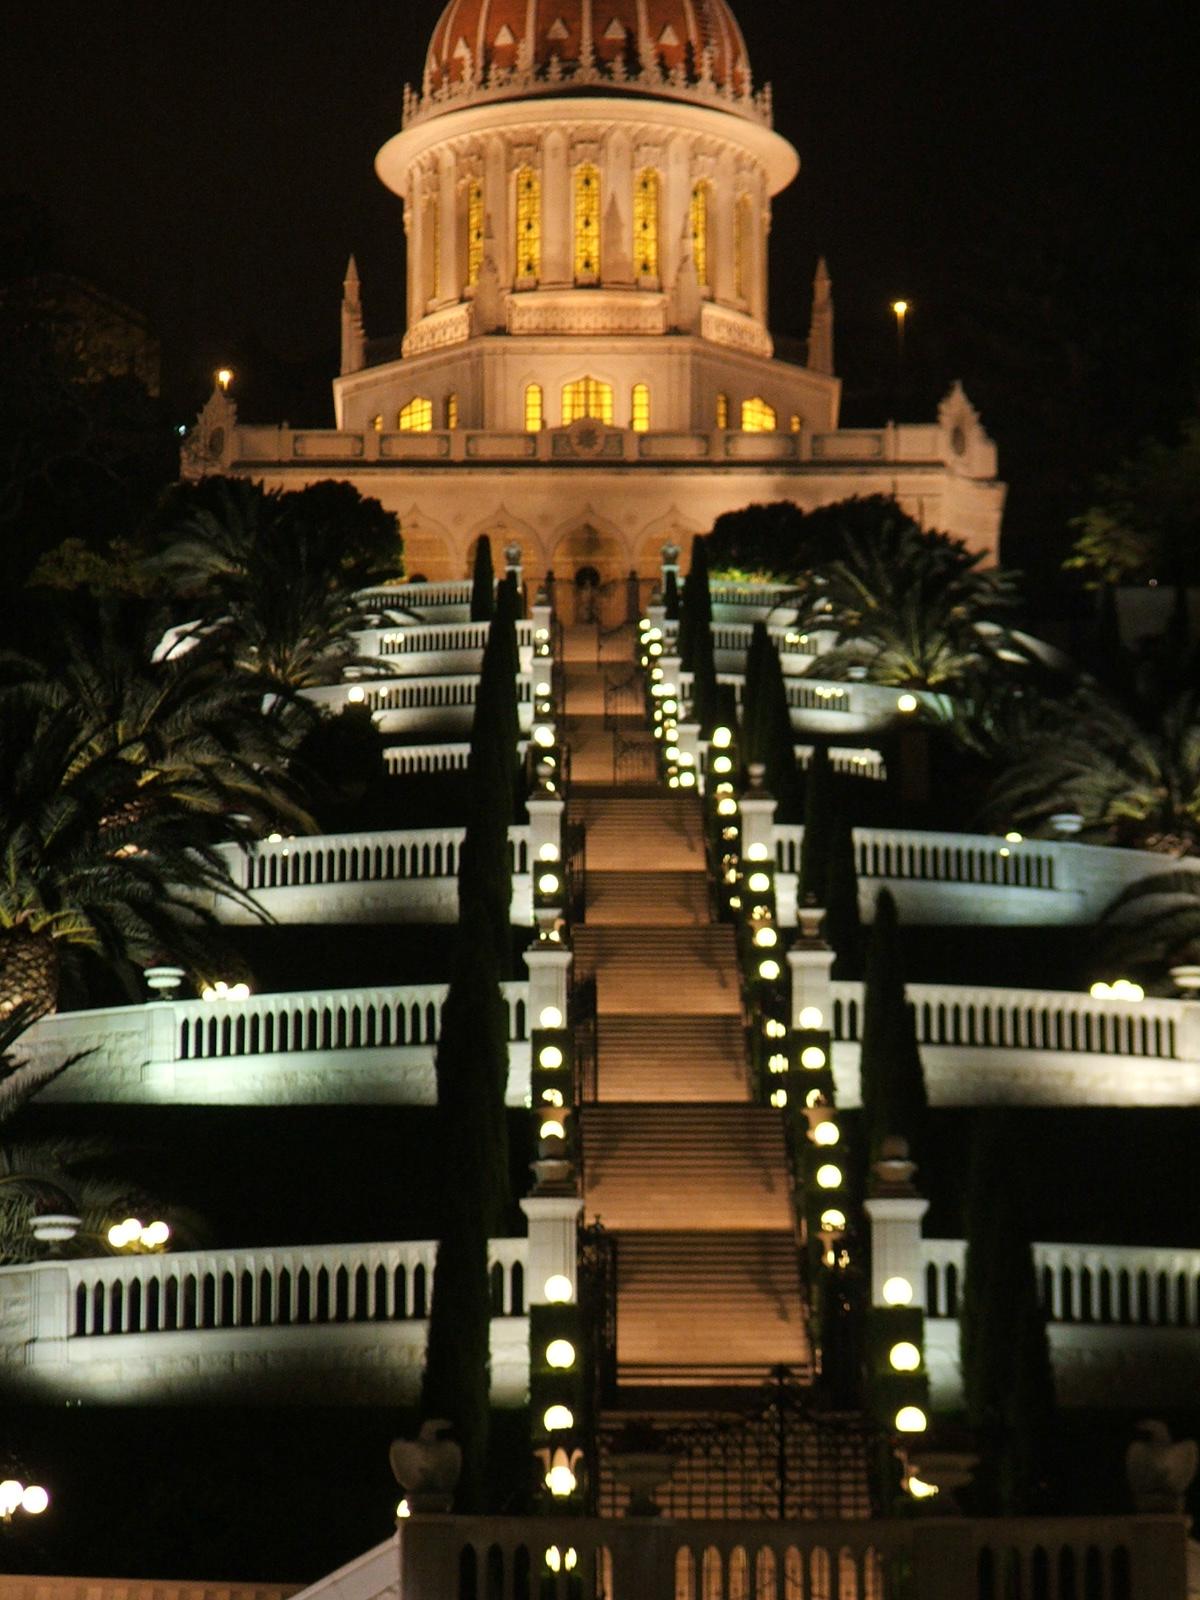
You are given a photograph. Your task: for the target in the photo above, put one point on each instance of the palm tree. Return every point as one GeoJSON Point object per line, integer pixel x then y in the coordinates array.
{"type": "Point", "coordinates": [1132, 773]}
{"type": "Point", "coordinates": [1152, 926]}
{"type": "Point", "coordinates": [85, 862]}
{"type": "Point", "coordinates": [276, 572]}
{"type": "Point", "coordinates": [910, 606]}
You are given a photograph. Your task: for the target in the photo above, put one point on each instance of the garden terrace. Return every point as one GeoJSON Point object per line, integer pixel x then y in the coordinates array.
{"type": "Point", "coordinates": [402, 603]}
{"type": "Point", "coordinates": [336, 1046]}
{"type": "Point", "coordinates": [401, 875]}
{"type": "Point", "coordinates": [419, 705]}
{"type": "Point", "coordinates": [942, 878]}
{"type": "Point", "coordinates": [406, 760]}
{"type": "Point", "coordinates": [429, 649]}
{"type": "Point", "coordinates": [341, 1323]}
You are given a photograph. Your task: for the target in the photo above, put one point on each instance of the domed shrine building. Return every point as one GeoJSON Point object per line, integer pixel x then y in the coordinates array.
{"type": "Point", "coordinates": [587, 372]}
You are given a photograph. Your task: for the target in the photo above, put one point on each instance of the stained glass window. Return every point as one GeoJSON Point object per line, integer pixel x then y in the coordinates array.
{"type": "Point", "coordinates": [529, 224]}
{"type": "Point", "coordinates": [533, 408]}
{"type": "Point", "coordinates": [700, 225]}
{"type": "Point", "coordinates": [474, 230]}
{"type": "Point", "coordinates": [741, 248]}
{"type": "Point", "coordinates": [587, 222]}
{"type": "Point", "coordinates": [640, 410]}
{"type": "Point", "coordinates": [722, 411]}
{"type": "Point", "coordinates": [587, 397]}
{"type": "Point", "coordinates": [645, 223]}
{"type": "Point", "coordinates": [757, 416]}
{"type": "Point", "coordinates": [452, 411]}
{"type": "Point", "coordinates": [416, 416]}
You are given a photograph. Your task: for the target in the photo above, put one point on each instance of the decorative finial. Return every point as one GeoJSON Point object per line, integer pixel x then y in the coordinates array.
{"type": "Point", "coordinates": [820, 329]}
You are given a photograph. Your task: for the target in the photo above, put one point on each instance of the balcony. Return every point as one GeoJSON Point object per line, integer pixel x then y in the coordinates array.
{"type": "Point", "coordinates": [325, 1047]}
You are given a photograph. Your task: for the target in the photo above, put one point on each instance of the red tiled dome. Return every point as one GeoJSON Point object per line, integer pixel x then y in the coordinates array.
{"type": "Point", "coordinates": [675, 32]}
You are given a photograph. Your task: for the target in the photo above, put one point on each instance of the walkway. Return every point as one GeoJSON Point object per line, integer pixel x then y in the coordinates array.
{"type": "Point", "coordinates": [688, 1173]}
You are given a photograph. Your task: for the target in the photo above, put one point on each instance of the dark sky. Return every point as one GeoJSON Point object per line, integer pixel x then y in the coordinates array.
{"type": "Point", "coordinates": [213, 165]}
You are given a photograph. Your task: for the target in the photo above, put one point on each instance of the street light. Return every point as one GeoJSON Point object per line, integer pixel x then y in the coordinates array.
{"type": "Point", "coordinates": [900, 309]}
{"type": "Point", "coordinates": [224, 378]}
{"type": "Point", "coordinates": [16, 1496]}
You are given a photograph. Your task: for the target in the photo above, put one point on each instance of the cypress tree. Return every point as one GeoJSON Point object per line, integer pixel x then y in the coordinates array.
{"type": "Point", "coordinates": [752, 695]}
{"type": "Point", "coordinates": [827, 869]}
{"type": "Point", "coordinates": [892, 1080]}
{"type": "Point", "coordinates": [695, 638]}
{"type": "Point", "coordinates": [777, 740]}
{"type": "Point", "coordinates": [472, 1069]}
{"type": "Point", "coordinates": [483, 583]}
{"type": "Point", "coordinates": [1008, 1380]}
{"type": "Point", "coordinates": [671, 597]}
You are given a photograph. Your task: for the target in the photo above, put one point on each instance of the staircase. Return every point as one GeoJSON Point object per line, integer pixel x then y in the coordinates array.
{"type": "Point", "coordinates": [686, 1172]}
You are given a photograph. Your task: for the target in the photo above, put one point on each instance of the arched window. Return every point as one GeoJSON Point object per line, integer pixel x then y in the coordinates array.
{"type": "Point", "coordinates": [757, 416]}
{"type": "Point", "coordinates": [377, 422]}
{"type": "Point", "coordinates": [639, 417]}
{"type": "Point", "coordinates": [645, 223]}
{"type": "Point", "coordinates": [534, 409]}
{"type": "Point", "coordinates": [451, 412]}
{"type": "Point", "coordinates": [587, 222]}
{"type": "Point", "coordinates": [416, 416]}
{"type": "Point", "coordinates": [474, 229]}
{"type": "Point", "coordinates": [529, 224]}
{"type": "Point", "coordinates": [742, 265]}
{"type": "Point", "coordinates": [722, 411]}
{"type": "Point", "coordinates": [587, 397]}
{"type": "Point", "coordinates": [701, 193]}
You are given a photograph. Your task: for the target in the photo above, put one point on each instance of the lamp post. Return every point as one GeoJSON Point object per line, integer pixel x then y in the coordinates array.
{"type": "Point", "coordinates": [30, 1498]}
{"type": "Point", "coordinates": [900, 309]}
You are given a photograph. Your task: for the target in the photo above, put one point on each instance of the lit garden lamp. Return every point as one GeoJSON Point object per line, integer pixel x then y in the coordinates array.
{"type": "Point", "coordinates": [138, 1238]}
{"type": "Point", "coordinates": [29, 1499]}
{"type": "Point", "coordinates": [223, 377]}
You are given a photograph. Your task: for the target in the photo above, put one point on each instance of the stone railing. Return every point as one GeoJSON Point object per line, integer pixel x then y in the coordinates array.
{"type": "Point", "coordinates": [418, 597]}
{"type": "Point", "coordinates": [849, 761]}
{"type": "Point", "coordinates": [434, 639]}
{"type": "Point", "coordinates": [1109, 1285]}
{"type": "Point", "coordinates": [325, 1046]}
{"type": "Point", "coordinates": [405, 875]}
{"type": "Point", "coordinates": [270, 1288]}
{"type": "Point", "coordinates": [939, 1558]}
{"type": "Point", "coordinates": [402, 759]}
{"type": "Point", "coordinates": [828, 706]}
{"type": "Point", "coordinates": [1028, 1019]}
{"type": "Point", "coordinates": [979, 878]}
{"type": "Point", "coordinates": [337, 1324]}
{"type": "Point", "coordinates": [438, 701]}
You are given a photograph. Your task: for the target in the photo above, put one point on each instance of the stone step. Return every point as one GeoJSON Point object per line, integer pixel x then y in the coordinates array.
{"type": "Point", "coordinates": [694, 1167]}
{"type": "Point", "coordinates": [637, 968]}
{"type": "Point", "coordinates": [659, 899]}
{"type": "Point", "coordinates": [700, 1309]}
{"type": "Point", "coordinates": [672, 1058]}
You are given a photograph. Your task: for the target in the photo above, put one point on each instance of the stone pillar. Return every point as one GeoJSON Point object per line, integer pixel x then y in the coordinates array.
{"type": "Point", "coordinates": [49, 1314]}
{"type": "Point", "coordinates": [557, 241]}
{"type": "Point", "coordinates": [757, 809]}
{"type": "Point", "coordinates": [896, 1210]}
{"type": "Point", "coordinates": [616, 224]}
{"type": "Point", "coordinates": [549, 967]}
{"type": "Point", "coordinates": [810, 960]}
{"type": "Point", "coordinates": [553, 1222]}
{"type": "Point", "coordinates": [721, 231]}
{"type": "Point", "coordinates": [414, 228]}
{"type": "Point", "coordinates": [450, 286]}
{"type": "Point", "coordinates": [675, 207]}
{"type": "Point", "coordinates": [496, 210]}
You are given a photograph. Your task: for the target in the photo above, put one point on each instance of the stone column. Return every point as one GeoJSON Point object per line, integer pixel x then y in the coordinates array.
{"type": "Point", "coordinates": [553, 1221]}
{"type": "Point", "coordinates": [722, 201]}
{"type": "Point", "coordinates": [496, 213]}
{"type": "Point", "coordinates": [549, 967]}
{"type": "Point", "coordinates": [556, 211]}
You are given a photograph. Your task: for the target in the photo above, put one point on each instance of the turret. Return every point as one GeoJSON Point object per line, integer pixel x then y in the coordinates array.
{"type": "Point", "coordinates": [820, 329]}
{"type": "Point", "coordinates": [353, 338]}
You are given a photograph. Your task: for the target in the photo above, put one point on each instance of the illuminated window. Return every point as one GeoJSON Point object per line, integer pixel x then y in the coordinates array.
{"type": "Point", "coordinates": [534, 412]}
{"type": "Point", "coordinates": [416, 416]}
{"type": "Point", "coordinates": [741, 249]}
{"type": "Point", "coordinates": [452, 412]}
{"type": "Point", "coordinates": [433, 243]}
{"type": "Point", "coordinates": [377, 422]}
{"type": "Point", "coordinates": [529, 224]}
{"type": "Point", "coordinates": [793, 423]}
{"type": "Point", "coordinates": [757, 416]}
{"type": "Point", "coordinates": [700, 225]}
{"type": "Point", "coordinates": [640, 411]}
{"type": "Point", "coordinates": [645, 223]}
{"type": "Point", "coordinates": [722, 411]}
{"type": "Point", "coordinates": [474, 230]}
{"type": "Point", "coordinates": [587, 221]}
{"type": "Point", "coordinates": [587, 397]}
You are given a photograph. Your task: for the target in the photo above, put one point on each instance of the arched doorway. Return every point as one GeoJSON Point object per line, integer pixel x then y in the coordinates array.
{"type": "Point", "coordinates": [590, 564]}
{"type": "Point", "coordinates": [587, 594]}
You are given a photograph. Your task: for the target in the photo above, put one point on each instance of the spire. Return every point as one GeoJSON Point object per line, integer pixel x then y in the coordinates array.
{"type": "Point", "coordinates": [820, 329]}
{"type": "Point", "coordinates": [354, 343]}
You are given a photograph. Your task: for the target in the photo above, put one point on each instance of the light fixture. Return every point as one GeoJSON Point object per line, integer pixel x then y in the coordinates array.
{"type": "Point", "coordinates": [812, 1058]}
{"type": "Point", "coordinates": [1119, 989]}
{"type": "Point", "coordinates": [758, 882]}
{"type": "Point", "coordinates": [907, 703]}
{"type": "Point", "coordinates": [548, 851]}
{"type": "Point", "coordinates": [897, 1292]}
{"type": "Point", "coordinates": [829, 1176]}
{"type": "Point", "coordinates": [550, 1017]}
{"type": "Point", "coordinates": [727, 807]}
{"type": "Point", "coordinates": [558, 1289]}
{"type": "Point", "coordinates": [542, 688]}
{"type": "Point", "coordinates": [919, 1489]}
{"type": "Point", "coordinates": [904, 1357]}
{"type": "Point", "coordinates": [766, 938]}
{"type": "Point", "coordinates": [779, 1098]}
{"type": "Point", "coordinates": [224, 377]}
{"type": "Point", "coordinates": [557, 1418]}
{"type": "Point", "coordinates": [543, 736]}
{"type": "Point", "coordinates": [810, 1017]}
{"type": "Point", "coordinates": [1013, 837]}
{"type": "Point", "coordinates": [833, 1220]}
{"type": "Point", "coordinates": [552, 1129]}
{"type": "Point", "coordinates": [722, 764]}
{"type": "Point", "coordinates": [356, 694]}
{"type": "Point", "coordinates": [777, 1063]}
{"type": "Point", "coordinates": [774, 1029]}
{"type": "Point", "coordinates": [769, 970]}
{"type": "Point", "coordinates": [560, 1354]}
{"type": "Point", "coordinates": [548, 883]}
{"type": "Point", "coordinates": [721, 740]}
{"type": "Point", "coordinates": [687, 780]}
{"type": "Point", "coordinates": [756, 852]}
{"type": "Point", "coordinates": [403, 1509]}
{"type": "Point", "coordinates": [826, 1133]}
{"type": "Point", "coordinates": [550, 1057]}
{"type": "Point", "coordinates": [552, 1097]}
{"type": "Point", "coordinates": [560, 1481]}
{"type": "Point", "coordinates": [15, 1496]}
{"type": "Point", "coordinates": [911, 1419]}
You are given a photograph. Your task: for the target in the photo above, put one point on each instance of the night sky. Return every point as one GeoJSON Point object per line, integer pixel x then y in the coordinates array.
{"type": "Point", "coordinates": [1017, 171]}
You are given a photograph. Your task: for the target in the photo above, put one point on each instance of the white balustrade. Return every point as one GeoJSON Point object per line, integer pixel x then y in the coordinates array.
{"type": "Point", "coordinates": [848, 761]}
{"type": "Point", "coordinates": [1048, 1020]}
{"type": "Point", "coordinates": [417, 597]}
{"type": "Point", "coordinates": [339, 858]}
{"type": "Point", "coordinates": [827, 705]}
{"type": "Point", "coordinates": [938, 877]}
{"type": "Point", "coordinates": [1106, 1284]}
{"type": "Point", "coordinates": [268, 1288]}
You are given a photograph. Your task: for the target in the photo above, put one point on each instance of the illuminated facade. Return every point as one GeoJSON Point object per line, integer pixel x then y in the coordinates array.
{"type": "Point", "coordinates": [587, 199]}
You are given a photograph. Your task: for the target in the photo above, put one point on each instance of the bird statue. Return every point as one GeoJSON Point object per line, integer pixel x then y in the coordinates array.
{"type": "Point", "coordinates": [427, 1468]}
{"type": "Point", "coordinates": [1160, 1471]}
